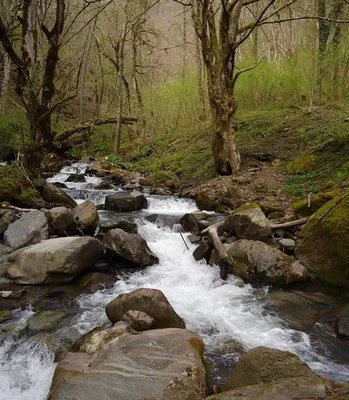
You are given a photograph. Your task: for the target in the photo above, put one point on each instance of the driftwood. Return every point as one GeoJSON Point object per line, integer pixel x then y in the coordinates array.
{"type": "Point", "coordinates": [301, 221]}
{"type": "Point", "coordinates": [85, 126]}
{"type": "Point", "coordinates": [225, 260]}
{"type": "Point", "coordinates": [17, 209]}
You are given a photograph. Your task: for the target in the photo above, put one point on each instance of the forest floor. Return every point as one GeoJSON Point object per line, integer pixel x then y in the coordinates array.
{"type": "Point", "coordinates": [286, 154]}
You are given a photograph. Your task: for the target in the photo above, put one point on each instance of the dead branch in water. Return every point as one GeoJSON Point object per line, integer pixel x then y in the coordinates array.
{"type": "Point", "coordinates": [297, 222]}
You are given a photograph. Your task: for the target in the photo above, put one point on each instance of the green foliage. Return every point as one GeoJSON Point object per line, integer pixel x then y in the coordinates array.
{"type": "Point", "coordinates": [300, 185]}
{"type": "Point", "coordinates": [341, 173]}
{"type": "Point", "coordinates": [12, 129]}
{"type": "Point", "coordinates": [115, 160]}
{"type": "Point", "coordinates": [15, 187]}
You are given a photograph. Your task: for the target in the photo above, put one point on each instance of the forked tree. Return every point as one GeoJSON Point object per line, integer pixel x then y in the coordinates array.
{"type": "Point", "coordinates": [222, 27]}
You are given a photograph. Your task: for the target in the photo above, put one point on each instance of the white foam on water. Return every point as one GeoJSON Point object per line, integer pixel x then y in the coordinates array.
{"type": "Point", "coordinates": [170, 205]}
{"type": "Point", "coordinates": [26, 366]}
{"type": "Point", "coordinates": [229, 317]}
{"type": "Point", "coordinates": [222, 312]}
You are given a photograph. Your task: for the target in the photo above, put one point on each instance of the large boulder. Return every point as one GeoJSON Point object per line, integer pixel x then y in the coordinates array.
{"type": "Point", "coordinates": [117, 364]}
{"type": "Point", "coordinates": [62, 221]}
{"type": "Point", "coordinates": [323, 242]}
{"type": "Point", "coordinates": [86, 216]}
{"type": "Point", "coordinates": [190, 221]}
{"type": "Point", "coordinates": [150, 301]}
{"type": "Point", "coordinates": [131, 247]}
{"type": "Point", "coordinates": [126, 201]}
{"type": "Point", "coordinates": [263, 365]}
{"type": "Point", "coordinates": [6, 219]}
{"type": "Point", "coordinates": [53, 194]}
{"type": "Point", "coordinates": [127, 226]}
{"type": "Point", "coordinates": [256, 262]}
{"type": "Point", "coordinates": [31, 228]}
{"type": "Point", "coordinates": [248, 222]}
{"type": "Point", "coordinates": [283, 389]}
{"type": "Point", "coordinates": [53, 262]}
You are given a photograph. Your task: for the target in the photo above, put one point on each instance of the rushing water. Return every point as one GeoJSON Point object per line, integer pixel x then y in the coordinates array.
{"type": "Point", "coordinates": [230, 317]}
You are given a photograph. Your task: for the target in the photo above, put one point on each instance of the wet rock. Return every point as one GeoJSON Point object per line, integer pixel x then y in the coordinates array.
{"type": "Point", "coordinates": [203, 252]}
{"type": "Point", "coordinates": [287, 245]}
{"type": "Point", "coordinates": [86, 216]}
{"type": "Point", "coordinates": [127, 226]}
{"type": "Point", "coordinates": [4, 250]}
{"type": "Point", "coordinates": [117, 364]}
{"type": "Point", "coordinates": [256, 262]}
{"type": "Point", "coordinates": [152, 218]}
{"type": "Point", "coordinates": [44, 321]}
{"type": "Point", "coordinates": [60, 185]}
{"type": "Point", "coordinates": [5, 315]}
{"type": "Point", "coordinates": [190, 221]}
{"type": "Point", "coordinates": [7, 218]}
{"type": "Point", "coordinates": [248, 222]}
{"type": "Point", "coordinates": [126, 201]}
{"type": "Point", "coordinates": [131, 247]}
{"type": "Point", "coordinates": [53, 194]}
{"type": "Point", "coordinates": [160, 191]}
{"type": "Point", "coordinates": [194, 239]}
{"type": "Point", "coordinates": [31, 228]}
{"type": "Point", "coordinates": [341, 321]}
{"type": "Point", "coordinates": [150, 301]}
{"type": "Point", "coordinates": [54, 261]}
{"type": "Point", "coordinates": [263, 365]}
{"type": "Point", "coordinates": [62, 221]}
{"type": "Point", "coordinates": [298, 388]}
{"type": "Point", "coordinates": [95, 281]}
{"type": "Point", "coordinates": [322, 244]}
{"type": "Point", "coordinates": [296, 310]}
{"type": "Point", "coordinates": [139, 321]}
{"type": "Point", "coordinates": [76, 178]}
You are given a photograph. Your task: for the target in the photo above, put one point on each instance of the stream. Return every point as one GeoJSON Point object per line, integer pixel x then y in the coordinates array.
{"type": "Point", "coordinates": [230, 317]}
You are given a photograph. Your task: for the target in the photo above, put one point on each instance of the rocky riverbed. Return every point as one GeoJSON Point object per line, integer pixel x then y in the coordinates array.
{"type": "Point", "coordinates": [61, 267]}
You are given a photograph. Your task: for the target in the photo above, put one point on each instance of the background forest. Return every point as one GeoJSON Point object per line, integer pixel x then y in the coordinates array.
{"type": "Point", "coordinates": [130, 80]}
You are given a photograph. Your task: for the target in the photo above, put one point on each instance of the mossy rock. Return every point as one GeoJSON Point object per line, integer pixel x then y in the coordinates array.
{"type": "Point", "coordinates": [302, 164]}
{"type": "Point", "coordinates": [16, 189]}
{"type": "Point", "coordinates": [305, 208]}
{"type": "Point", "coordinates": [247, 206]}
{"type": "Point", "coordinates": [323, 242]}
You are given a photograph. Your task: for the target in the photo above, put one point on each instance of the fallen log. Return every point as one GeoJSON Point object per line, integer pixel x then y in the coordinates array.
{"type": "Point", "coordinates": [17, 209]}
{"type": "Point", "coordinates": [297, 222]}
{"type": "Point", "coordinates": [85, 126]}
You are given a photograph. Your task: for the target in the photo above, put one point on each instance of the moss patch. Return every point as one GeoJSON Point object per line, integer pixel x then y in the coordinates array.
{"type": "Point", "coordinates": [323, 242]}
{"type": "Point", "coordinates": [15, 188]}
{"type": "Point", "coordinates": [303, 163]}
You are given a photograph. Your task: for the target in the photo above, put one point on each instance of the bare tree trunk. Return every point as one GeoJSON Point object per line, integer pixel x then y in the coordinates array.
{"type": "Point", "coordinates": [184, 48]}
{"type": "Point", "coordinates": [136, 83]}
{"type": "Point", "coordinates": [202, 100]}
{"type": "Point", "coordinates": [5, 81]}
{"type": "Point", "coordinates": [121, 81]}
{"type": "Point", "coordinates": [84, 71]}
{"type": "Point", "coordinates": [225, 153]}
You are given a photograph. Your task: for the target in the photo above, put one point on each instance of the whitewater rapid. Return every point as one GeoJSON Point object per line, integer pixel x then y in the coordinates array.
{"type": "Point", "coordinates": [230, 317]}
